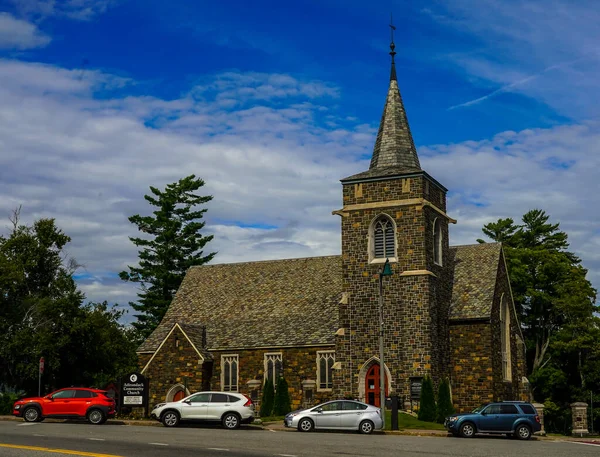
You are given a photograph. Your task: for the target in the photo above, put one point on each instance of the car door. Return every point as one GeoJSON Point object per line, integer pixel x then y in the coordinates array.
{"type": "Point", "coordinates": [351, 414]}
{"type": "Point", "coordinates": [81, 401]}
{"type": "Point", "coordinates": [489, 419]}
{"type": "Point", "coordinates": [196, 406]}
{"type": "Point", "coordinates": [218, 404]}
{"type": "Point", "coordinates": [329, 415]}
{"type": "Point", "coordinates": [508, 416]}
{"type": "Point", "coordinates": [61, 403]}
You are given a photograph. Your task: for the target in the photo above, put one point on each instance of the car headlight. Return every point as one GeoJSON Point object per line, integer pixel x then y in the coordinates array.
{"type": "Point", "coordinates": [17, 406]}
{"type": "Point", "coordinates": [453, 418]}
{"type": "Point", "coordinates": [160, 405]}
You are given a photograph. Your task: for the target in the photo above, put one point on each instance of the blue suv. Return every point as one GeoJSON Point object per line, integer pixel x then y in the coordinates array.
{"type": "Point", "coordinates": [511, 418]}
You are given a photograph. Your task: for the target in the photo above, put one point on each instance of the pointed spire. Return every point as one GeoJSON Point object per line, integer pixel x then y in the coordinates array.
{"type": "Point", "coordinates": [394, 146]}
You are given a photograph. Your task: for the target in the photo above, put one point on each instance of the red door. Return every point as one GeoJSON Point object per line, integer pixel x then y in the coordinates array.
{"type": "Point", "coordinates": [372, 384]}
{"type": "Point", "coordinates": [179, 395]}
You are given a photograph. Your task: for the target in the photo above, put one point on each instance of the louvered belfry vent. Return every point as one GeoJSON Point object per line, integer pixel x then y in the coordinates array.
{"type": "Point", "coordinates": [384, 239]}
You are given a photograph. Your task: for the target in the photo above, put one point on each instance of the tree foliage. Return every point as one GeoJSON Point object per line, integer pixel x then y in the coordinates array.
{"type": "Point", "coordinates": [42, 314]}
{"type": "Point", "coordinates": [556, 306]}
{"type": "Point", "coordinates": [173, 244]}
{"type": "Point", "coordinates": [268, 399]}
{"type": "Point", "coordinates": [444, 402]}
{"type": "Point", "coordinates": [282, 404]}
{"type": "Point", "coordinates": [427, 407]}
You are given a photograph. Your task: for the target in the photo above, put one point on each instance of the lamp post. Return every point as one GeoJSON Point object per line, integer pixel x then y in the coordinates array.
{"type": "Point", "coordinates": [385, 271]}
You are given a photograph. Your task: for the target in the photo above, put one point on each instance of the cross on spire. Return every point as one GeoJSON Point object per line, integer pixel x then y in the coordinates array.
{"type": "Point", "coordinates": [392, 47]}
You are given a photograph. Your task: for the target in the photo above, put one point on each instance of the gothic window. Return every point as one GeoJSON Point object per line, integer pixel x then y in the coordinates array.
{"type": "Point", "coordinates": [505, 338]}
{"type": "Point", "coordinates": [437, 242]}
{"type": "Point", "coordinates": [273, 367]}
{"type": "Point", "coordinates": [325, 361]}
{"type": "Point", "coordinates": [384, 238]}
{"type": "Point", "coordinates": [229, 372]}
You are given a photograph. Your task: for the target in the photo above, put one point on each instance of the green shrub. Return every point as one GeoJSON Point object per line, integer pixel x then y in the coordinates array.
{"type": "Point", "coordinates": [444, 403]}
{"type": "Point", "coordinates": [282, 404]}
{"type": "Point", "coordinates": [268, 398]}
{"type": "Point", "coordinates": [7, 400]}
{"type": "Point", "coordinates": [427, 407]}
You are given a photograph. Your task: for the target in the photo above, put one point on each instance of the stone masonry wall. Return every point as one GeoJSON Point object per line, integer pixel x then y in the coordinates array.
{"type": "Point", "coordinates": [175, 365]}
{"type": "Point", "coordinates": [299, 364]}
{"type": "Point", "coordinates": [415, 305]}
{"type": "Point", "coordinates": [472, 376]}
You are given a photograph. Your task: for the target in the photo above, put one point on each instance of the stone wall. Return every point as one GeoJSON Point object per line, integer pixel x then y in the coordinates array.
{"type": "Point", "coordinates": [416, 296]}
{"type": "Point", "coordinates": [472, 377]}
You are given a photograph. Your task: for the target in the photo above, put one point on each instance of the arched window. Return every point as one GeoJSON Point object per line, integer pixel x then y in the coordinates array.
{"type": "Point", "coordinates": [384, 238]}
{"type": "Point", "coordinates": [437, 242]}
{"type": "Point", "coordinates": [505, 338]}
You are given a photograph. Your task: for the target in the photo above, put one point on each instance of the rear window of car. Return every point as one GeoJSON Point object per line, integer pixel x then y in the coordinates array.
{"type": "Point", "coordinates": [84, 394]}
{"type": "Point", "coordinates": [353, 406]}
{"type": "Point", "coordinates": [527, 409]}
{"type": "Point", "coordinates": [508, 409]}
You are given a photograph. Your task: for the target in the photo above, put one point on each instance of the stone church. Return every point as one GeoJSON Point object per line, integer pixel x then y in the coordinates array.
{"type": "Point", "coordinates": [448, 311]}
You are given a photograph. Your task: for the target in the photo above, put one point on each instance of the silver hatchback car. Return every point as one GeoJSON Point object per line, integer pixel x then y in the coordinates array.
{"type": "Point", "coordinates": [229, 408]}
{"type": "Point", "coordinates": [337, 414]}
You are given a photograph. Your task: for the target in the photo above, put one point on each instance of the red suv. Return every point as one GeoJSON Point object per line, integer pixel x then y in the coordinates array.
{"type": "Point", "coordinates": [91, 404]}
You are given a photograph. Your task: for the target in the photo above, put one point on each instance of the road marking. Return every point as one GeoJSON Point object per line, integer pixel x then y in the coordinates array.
{"type": "Point", "coordinates": [159, 444]}
{"type": "Point", "coordinates": [286, 455]}
{"type": "Point", "coordinates": [96, 439]}
{"type": "Point", "coordinates": [26, 424]}
{"type": "Point", "coordinates": [216, 449]}
{"type": "Point", "coordinates": [585, 444]}
{"type": "Point", "coordinates": [271, 430]}
{"type": "Point", "coordinates": [57, 451]}
{"type": "Point", "coordinates": [35, 434]}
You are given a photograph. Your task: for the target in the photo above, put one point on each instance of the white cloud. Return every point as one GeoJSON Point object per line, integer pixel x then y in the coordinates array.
{"type": "Point", "coordinates": [544, 49]}
{"type": "Point", "coordinates": [19, 34]}
{"type": "Point", "coordinates": [272, 163]}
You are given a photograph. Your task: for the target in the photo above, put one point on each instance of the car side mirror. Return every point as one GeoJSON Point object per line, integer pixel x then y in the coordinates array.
{"type": "Point", "coordinates": [483, 413]}
{"type": "Point", "coordinates": [319, 410]}
{"type": "Point", "coordinates": [187, 402]}
{"type": "Point", "coordinates": [49, 397]}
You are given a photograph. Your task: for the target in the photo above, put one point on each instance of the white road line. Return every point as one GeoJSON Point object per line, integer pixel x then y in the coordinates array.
{"type": "Point", "coordinates": [26, 424]}
{"type": "Point", "coordinates": [286, 455]}
{"type": "Point", "coordinates": [271, 430]}
{"type": "Point", "coordinates": [216, 449]}
{"type": "Point", "coordinates": [35, 434]}
{"type": "Point", "coordinates": [585, 444]}
{"type": "Point", "coordinates": [159, 444]}
{"type": "Point", "coordinates": [96, 439]}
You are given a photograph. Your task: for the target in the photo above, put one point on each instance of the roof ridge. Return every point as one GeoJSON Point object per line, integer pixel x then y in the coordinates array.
{"type": "Point", "coordinates": [493, 243]}
{"type": "Point", "coordinates": [266, 260]}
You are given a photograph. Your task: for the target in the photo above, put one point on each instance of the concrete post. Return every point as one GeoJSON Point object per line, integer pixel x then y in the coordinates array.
{"type": "Point", "coordinates": [540, 410]}
{"type": "Point", "coordinates": [580, 422]}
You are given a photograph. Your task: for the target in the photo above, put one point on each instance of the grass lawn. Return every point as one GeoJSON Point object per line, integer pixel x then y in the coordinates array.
{"type": "Point", "coordinates": [407, 422]}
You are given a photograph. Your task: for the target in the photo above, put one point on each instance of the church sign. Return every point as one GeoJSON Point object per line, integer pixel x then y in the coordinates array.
{"type": "Point", "coordinates": [415, 388]}
{"type": "Point", "coordinates": [134, 390]}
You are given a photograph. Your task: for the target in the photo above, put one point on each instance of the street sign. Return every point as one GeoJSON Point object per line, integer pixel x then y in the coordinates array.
{"type": "Point", "coordinates": [134, 390]}
{"type": "Point", "coordinates": [41, 365]}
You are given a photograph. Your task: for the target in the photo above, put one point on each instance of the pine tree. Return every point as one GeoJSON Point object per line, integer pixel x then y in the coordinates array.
{"type": "Point", "coordinates": [444, 404]}
{"type": "Point", "coordinates": [282, 398]}
{"type": "Point", "coordinates": [427, 407]}
{"type": "Point", "coordinates": [174, 245]}
{"type": "Point", "coordinates": [268, 398]}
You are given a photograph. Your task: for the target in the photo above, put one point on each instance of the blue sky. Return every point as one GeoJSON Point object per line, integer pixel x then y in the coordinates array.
{"type": "Point", "coordinates": [272, 103]}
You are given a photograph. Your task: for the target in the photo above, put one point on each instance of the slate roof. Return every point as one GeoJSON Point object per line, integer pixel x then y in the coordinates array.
{"type": "Point", "coordinates": [294, 302]}
{"type": "Point", "coordinates": [475, 273]}
{"type": "Point", "coordinates": [291, 302]}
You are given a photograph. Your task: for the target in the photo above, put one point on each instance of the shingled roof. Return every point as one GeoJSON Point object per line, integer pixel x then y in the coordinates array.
{"type": "Point", "coordinates": [291, 302]}
{"type": "Point", "coordinates": [475, 273]}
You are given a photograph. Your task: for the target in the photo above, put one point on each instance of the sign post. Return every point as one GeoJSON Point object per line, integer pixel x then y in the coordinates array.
{"type": "Point", "coordinates": [40, 371]}
{"type": "Point", "coordinates": [134, 390]}
{"type": "Point", "coordinates": [416, 382]}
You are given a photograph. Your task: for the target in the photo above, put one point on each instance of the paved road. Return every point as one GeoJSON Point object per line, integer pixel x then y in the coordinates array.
{"type": "Point", "coordinates": [62, 439]}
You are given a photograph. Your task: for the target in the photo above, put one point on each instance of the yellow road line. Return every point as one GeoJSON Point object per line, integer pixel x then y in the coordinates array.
{"type": "Point", "coordinates": [57, 451]}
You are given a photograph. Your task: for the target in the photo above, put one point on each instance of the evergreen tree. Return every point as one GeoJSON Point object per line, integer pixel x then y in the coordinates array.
{"type": "Point", "coordinates": [282, 404]}
{"type": "Point", "coordinates": [174, 245]}
{"type": "Point", "coordinates": [268, 398]}
{"type": "Point", "coordinates": [444, 403]}
{"type": "Point", "coordinates": [427, 409]}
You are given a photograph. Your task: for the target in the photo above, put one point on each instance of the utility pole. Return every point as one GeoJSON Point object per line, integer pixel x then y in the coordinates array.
{"type": "Point", "coordinates": [385, 271]}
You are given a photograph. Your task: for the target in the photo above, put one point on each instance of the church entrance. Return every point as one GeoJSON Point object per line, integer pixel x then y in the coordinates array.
{"type": "Point", "coordinates": [179, 395]}
{"type": "Point", "coordinates": [372, 386]}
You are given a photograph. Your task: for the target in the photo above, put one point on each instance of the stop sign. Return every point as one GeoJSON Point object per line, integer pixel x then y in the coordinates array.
{"type": "Point", "coordinates": [41, 364]}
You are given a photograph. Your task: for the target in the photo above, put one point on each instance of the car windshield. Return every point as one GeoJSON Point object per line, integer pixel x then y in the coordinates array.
{"type": "Point", "coordinates": [478, 409]}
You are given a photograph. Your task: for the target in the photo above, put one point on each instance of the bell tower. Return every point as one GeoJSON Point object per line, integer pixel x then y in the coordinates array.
{"type": "Point", "coordinates": [393, 211]}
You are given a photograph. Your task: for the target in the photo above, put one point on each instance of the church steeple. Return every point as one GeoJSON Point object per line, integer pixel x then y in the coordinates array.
{"type": "Point", "coordinates": [394, 146]}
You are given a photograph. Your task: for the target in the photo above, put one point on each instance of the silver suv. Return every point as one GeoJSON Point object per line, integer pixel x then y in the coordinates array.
{"type": "Point", "coordinates": [229, 408]}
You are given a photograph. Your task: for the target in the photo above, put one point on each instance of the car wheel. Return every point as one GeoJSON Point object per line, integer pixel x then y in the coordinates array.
{"type": "Point", "coordinates": [96, 416]}
{"type": "Point", "coordinates": [366, 427]}
{"type": "Point", "coordinates": [306, 425]}
{"type": "Point", "coordinates": [231, 421]}
{"type": "Point", "coordinates": [467, 430]}
{"type": "Point", "coordinates": [523, 432]}
{"type": "Point", "coordinates": [32, 414]}
{"type": "Point", "coordinates": [170, 419]}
